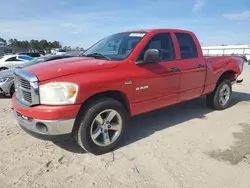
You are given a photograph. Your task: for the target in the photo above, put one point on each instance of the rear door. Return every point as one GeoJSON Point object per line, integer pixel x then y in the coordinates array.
{"type": "Point", "coordinates": [192, 67]}
{"type": "Point", "coordinates": [157, 84]}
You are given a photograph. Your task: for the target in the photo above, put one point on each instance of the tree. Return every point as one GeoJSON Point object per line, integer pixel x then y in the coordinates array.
{"type": "Point", "coordinates": [11, 41]}
{"type": "Point", "coordinates": [34, 45]}
{"type": "Point", "coordinates": [56, 44]}
{"type": "Point", "coordinates": [43, 44]}
{"type": "Point", "coordinates": [3, 41]}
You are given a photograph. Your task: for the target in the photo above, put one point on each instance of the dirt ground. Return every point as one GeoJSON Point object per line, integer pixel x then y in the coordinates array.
{"type": "Point", "coordinates": [182, 146]}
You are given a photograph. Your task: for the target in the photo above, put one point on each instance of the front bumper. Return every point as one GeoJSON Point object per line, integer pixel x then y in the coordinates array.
{"type": "Point", "coordinates": [45, 122]}
{"type": "Point", "coordinates": [45, 129]}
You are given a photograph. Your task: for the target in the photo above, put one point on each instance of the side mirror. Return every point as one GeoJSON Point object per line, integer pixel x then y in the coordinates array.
{"type": "Point", "coordinates": [151, 55]}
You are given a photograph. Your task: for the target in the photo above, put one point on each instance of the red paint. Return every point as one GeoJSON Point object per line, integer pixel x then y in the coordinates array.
{"type": "Point", "coordinates": [43, 112]}
{"type": "Point", "coordinates": [164, 87]}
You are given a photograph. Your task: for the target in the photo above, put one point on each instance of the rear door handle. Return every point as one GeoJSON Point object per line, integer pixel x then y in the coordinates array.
{"type": "Point", "coordinates": [200, 66]}
{"type": "Point", "coordinates": [174, 69]}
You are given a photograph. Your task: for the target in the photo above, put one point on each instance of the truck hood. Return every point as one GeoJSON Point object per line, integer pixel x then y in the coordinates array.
{"type": "Point", "coordinates": [63, 67]}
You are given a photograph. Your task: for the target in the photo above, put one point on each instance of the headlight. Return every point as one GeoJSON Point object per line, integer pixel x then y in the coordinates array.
{"type": "Point", "coordinates": [6, 79]}
{"type": "Point", "coordinates": [58, 93]}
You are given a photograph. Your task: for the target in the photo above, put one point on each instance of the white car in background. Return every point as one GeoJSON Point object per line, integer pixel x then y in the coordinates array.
{"type": "Point", "coordinates": [12, 61]}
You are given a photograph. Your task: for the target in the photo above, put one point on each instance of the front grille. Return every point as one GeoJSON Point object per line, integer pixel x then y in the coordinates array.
{"type": "Point", "coordinates": [27, 96]}
{"type": "Point", "coordinates": [26, 85]}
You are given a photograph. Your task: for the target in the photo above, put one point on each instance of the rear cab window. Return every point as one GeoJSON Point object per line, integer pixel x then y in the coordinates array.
{"type": "Point", "coordinates": [187, 46]}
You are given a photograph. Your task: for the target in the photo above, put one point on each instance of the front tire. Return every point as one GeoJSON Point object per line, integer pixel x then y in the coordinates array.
{"type": "Point", "coordinates": [12, 90]}
{"type": "Point", "coordinates": [101, 126]}
{"type": "Point", "coordinates": [220, 98]}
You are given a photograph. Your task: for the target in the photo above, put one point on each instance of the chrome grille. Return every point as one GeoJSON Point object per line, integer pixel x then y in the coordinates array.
{"type": "Point", "coordinates": [26, 85]}
{"type": "Point", "coordinates": [27, 96]}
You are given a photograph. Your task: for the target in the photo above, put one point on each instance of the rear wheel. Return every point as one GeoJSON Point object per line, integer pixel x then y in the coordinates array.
{"type": "Point", "coordinates": [220, 98]}
{"type": "Point", "coordinates": [101, 126]}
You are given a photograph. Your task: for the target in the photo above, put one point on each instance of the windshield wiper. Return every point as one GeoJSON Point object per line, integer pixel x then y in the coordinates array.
{"type": "Point", "coordinates": [97, 55]}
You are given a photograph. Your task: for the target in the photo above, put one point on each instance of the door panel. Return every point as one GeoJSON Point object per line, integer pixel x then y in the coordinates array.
{"type": "Point", "coordinates": [193, 75]}
{"type": "Point", "coordinates": [159, 86]}
{"type": "Point", "coordinates": [192, 66]}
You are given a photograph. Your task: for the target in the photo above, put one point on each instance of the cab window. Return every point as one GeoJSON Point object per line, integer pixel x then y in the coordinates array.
{"type": "Point", "coordinates": [187, 46]}
{"type": "Point", "coordinates": [163, 43]}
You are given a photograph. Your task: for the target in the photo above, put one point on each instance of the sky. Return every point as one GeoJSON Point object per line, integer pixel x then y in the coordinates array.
{"type": "Point", "coordinates": [84, 22]}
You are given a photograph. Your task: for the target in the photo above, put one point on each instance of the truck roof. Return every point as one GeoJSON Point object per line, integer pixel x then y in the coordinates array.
{"type": "Point", "coordinates": [160, 30]}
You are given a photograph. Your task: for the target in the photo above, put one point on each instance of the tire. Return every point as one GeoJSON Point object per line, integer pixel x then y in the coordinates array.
{"type": "Point", "coordinates": [88, 124]}
{"type": "Point", "coordinates": [215, 99]}
{"type": "Point", "coordinates": [12, 90]}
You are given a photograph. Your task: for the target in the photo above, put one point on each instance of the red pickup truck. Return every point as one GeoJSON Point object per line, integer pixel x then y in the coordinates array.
{"type": "Point", "coordinates": [91, 97]}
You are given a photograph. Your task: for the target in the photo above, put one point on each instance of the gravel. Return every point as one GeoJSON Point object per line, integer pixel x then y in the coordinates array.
{"type": "Point", "coordinates": [182, 146]}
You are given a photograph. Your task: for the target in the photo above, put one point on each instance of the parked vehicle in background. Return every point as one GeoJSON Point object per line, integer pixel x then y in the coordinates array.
{"type": "Point", "coordinates": [61, 52]}
{"type": "Point", "coordinates": [58, 51]}
{"type": "Point", "coordinates": [7, 76]}
{"type": "Point", "coordinates": [31, 54]}
{"type": "Point", "coordinates": [11, 61]}
{"type": "Point", "coordinates": [123, 75]}
{"type": "Point", "coordinates": [41, 52]}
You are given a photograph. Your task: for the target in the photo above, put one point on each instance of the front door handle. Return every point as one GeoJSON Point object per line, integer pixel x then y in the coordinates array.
{"type": "Point", "coordinates": [174, 69]}
{"type": "Point", "coordinates": [200, 66]}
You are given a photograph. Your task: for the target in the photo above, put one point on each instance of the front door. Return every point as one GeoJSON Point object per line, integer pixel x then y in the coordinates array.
{"type": "Point", "coordinates": [157, 84]}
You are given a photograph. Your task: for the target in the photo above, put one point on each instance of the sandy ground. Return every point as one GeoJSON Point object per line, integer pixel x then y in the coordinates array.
{"type": "Point", "coordinates": [186, 145]}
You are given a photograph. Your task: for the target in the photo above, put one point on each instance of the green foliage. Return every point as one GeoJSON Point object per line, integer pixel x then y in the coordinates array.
{"type": "Point", "coordinates": [2, 40]}
{"type": "Point", "coordinates": [33, 45]}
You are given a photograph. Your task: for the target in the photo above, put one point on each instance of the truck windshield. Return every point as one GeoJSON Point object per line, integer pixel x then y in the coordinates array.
{"type": "Point", "coordinates": [115, 47]}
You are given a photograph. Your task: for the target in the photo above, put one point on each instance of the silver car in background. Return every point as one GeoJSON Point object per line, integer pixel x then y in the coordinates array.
{"type": "Point", "coordinates": [12, 61]}
{"type": "Point", "coordinates": [7, 87]}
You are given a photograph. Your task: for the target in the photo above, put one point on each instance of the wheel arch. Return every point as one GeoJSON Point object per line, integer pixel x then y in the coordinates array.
{"type": "Point", "coordinates": [229, 74]}
{"type": "Point", "coordinates": [113, 94]}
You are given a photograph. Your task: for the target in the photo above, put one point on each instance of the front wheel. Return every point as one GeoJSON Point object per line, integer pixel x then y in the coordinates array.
{"type": "Point", "coordinates": [101, 126]}
{"type": "Point", "coordinates": [12, 90]}
{"type": "Point", "coordinates": [221, 97]}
